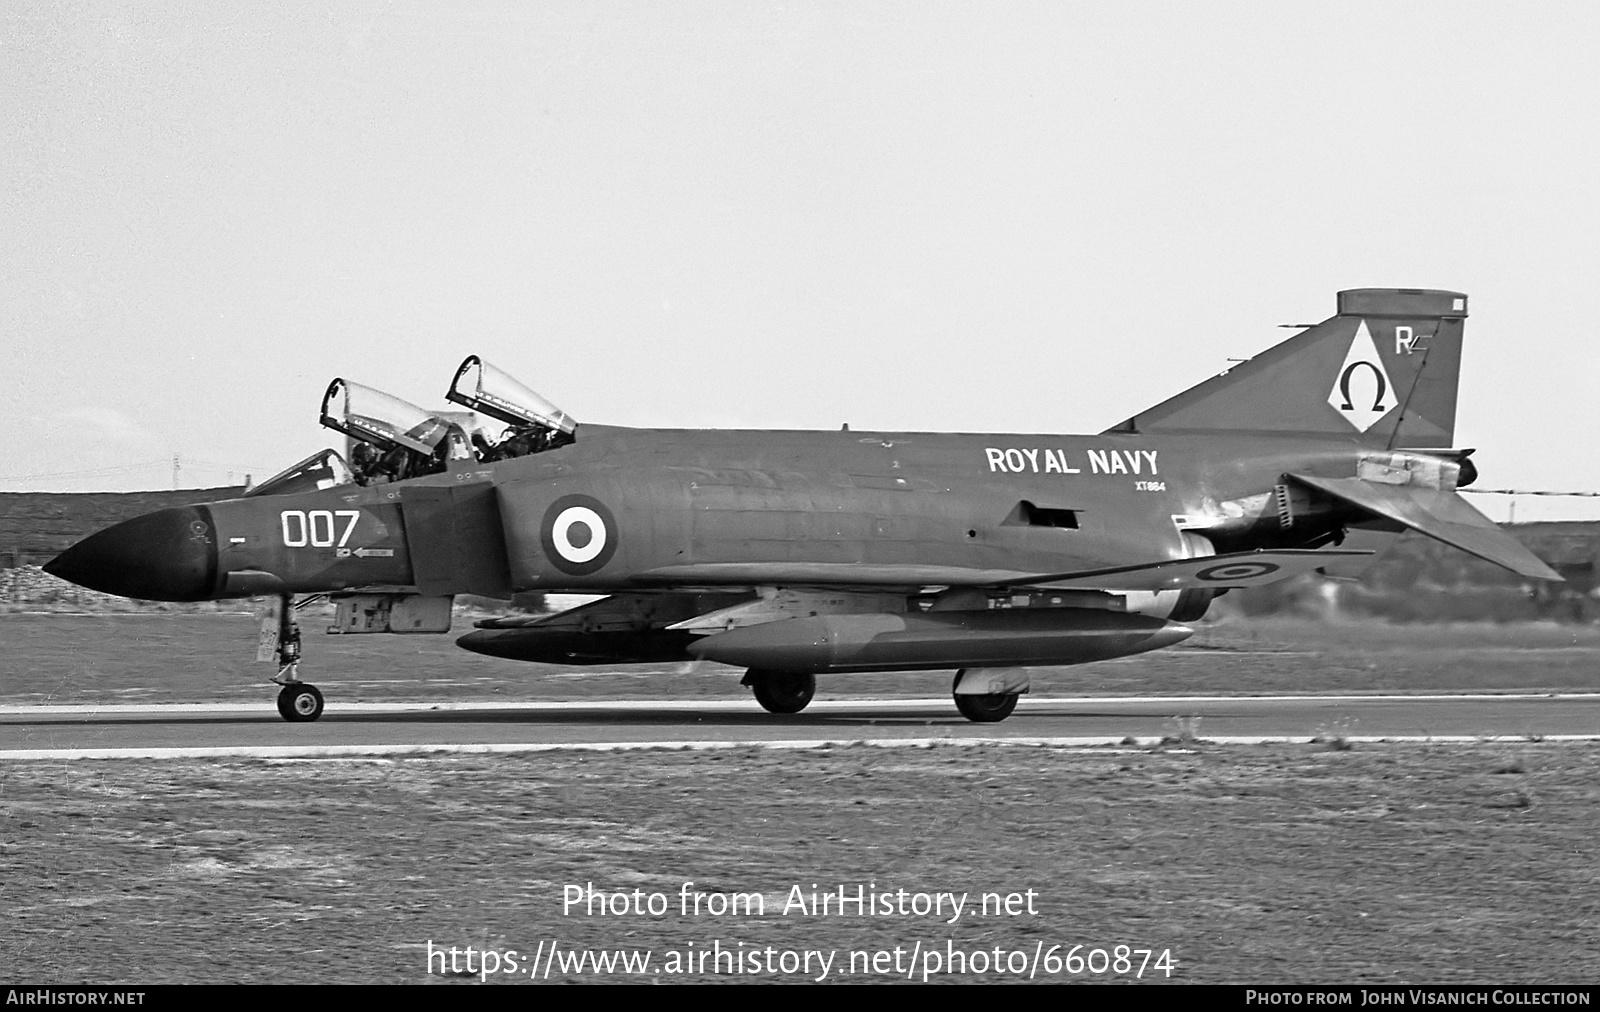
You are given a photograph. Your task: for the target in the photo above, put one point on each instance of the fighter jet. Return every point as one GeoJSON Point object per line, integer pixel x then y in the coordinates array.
{"type": "Point", "coordinates": [799, 553]}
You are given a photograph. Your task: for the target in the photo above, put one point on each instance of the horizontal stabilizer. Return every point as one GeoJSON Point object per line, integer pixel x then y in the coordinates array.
{"type": "Point", "coordinates": [1439, 514]}
{"type": "Point", "coordinates": [1217, 572]}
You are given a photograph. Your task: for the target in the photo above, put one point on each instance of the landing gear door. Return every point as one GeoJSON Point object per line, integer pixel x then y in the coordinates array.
{"type": "Point", "coordinates": [270, 617]}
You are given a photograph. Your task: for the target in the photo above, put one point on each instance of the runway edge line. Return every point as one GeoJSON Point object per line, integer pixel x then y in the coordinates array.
{"type": "Point", "coordinates": [505, 748]}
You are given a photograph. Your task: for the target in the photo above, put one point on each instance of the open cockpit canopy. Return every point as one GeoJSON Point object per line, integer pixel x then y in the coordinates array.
{"type": "Point", "coordinates": [393, 439]}
{"type": "Point", "coordinates": [481, 387]}
{"type": "Point", "coordinates": [381, 419]}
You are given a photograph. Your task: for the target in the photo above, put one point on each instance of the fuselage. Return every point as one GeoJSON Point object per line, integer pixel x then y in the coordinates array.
{"type": "Point", "coordinates": [721, 508]}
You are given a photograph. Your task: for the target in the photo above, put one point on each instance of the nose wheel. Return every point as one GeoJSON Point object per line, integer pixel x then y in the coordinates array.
{"type": "Point", "coordinates": [280, 641]}
{"type": "Point", "coordinates": [299, 701]}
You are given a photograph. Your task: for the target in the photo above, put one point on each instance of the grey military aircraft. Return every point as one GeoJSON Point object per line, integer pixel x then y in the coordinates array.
{"type": "Point", "coordinates": [794, 554]}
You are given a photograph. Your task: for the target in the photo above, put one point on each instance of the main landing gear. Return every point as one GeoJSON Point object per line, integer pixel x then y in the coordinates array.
{"type": "Point", "coordinates": [781, 691]}
{"type": "Point", "coordinates": [789, 692]}
{"type": "Point", "coordinates": [297, 701]}
{"type": "Point", "coordinates": [988, 707]}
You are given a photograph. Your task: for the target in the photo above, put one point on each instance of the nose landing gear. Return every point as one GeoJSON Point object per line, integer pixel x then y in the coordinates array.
{"type": "Point", "coordinates": [299, 701]}
{"type": "Point", "coordinates": [280, 641]}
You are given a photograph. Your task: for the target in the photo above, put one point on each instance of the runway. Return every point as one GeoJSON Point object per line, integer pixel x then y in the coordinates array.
{"type": "Point", "coordinates": [222, 729]}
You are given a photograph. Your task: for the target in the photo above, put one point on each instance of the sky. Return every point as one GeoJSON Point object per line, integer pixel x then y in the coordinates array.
{"type": "Point", "coordinates": [1009, 217]}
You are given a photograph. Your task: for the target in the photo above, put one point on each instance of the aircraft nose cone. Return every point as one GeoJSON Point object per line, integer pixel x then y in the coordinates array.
{"type": "Point", "coordinates": [168, 555]}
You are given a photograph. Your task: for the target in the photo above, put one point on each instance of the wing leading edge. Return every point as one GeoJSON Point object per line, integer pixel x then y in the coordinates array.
{"type": "Point", "coordinates": [1215, 572]}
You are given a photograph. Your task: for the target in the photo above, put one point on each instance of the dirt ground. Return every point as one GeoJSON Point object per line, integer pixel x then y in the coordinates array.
{"type": "Point", "coordinates": [1249, 864]}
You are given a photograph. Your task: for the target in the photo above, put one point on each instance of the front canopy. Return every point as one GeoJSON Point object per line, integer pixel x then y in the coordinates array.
{"type": "Point", "coordinates": [381, 419]}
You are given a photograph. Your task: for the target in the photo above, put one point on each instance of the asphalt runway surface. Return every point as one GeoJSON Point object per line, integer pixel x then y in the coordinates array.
{"type": "Point", "coordinates": [91, 730]}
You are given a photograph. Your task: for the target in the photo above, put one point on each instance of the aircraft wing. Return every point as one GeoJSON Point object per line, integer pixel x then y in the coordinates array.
{"type": "Point", "coordinates": [1439, 514]}
{"type": "Point", "coordinates": [1240, 569]}
{"type": "Point", "coordinates": [1234, 570]}
{"type": "Point", "coordinates": [825, 574]}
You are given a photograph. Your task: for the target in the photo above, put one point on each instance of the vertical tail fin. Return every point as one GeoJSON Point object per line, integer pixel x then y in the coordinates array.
{"type": "Point", "coordinates": [1383, 371]}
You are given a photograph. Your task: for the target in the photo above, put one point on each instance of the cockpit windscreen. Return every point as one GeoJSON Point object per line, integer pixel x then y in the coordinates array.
{"type": "Point", "coordinates": [323, 469]}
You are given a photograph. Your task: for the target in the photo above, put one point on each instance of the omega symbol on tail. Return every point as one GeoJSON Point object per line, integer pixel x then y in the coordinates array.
{"type": "Point", "coordinates": [1362, 391]}
{"type": "Point", "coordinates": [1377, 375]}
{"type": "Point", "coordinates": [579, 534]}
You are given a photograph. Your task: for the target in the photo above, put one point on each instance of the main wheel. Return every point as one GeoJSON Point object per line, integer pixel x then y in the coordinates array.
{"type": "Point", "coordinates": [300, 702]}
{"type": "Point", "coordinates": [781, 691]}
{"type": "Point", "coordinates": [986, 709]}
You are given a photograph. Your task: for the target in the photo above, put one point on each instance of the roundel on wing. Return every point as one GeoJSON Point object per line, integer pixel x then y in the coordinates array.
{"type": "Point", "coordinates": [579, 534]}
{"type": "Point", "coordinates": [1231, 571]}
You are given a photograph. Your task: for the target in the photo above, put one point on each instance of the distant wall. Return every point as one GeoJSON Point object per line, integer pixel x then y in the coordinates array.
{"type": "Point", "coordinates": [1423, 580]}
{"type": "Point", "coordinates": [35, 527]}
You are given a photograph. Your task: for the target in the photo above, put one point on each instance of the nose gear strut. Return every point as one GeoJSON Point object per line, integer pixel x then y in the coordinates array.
{"type": "Point", "coordinates": [280, 642]}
